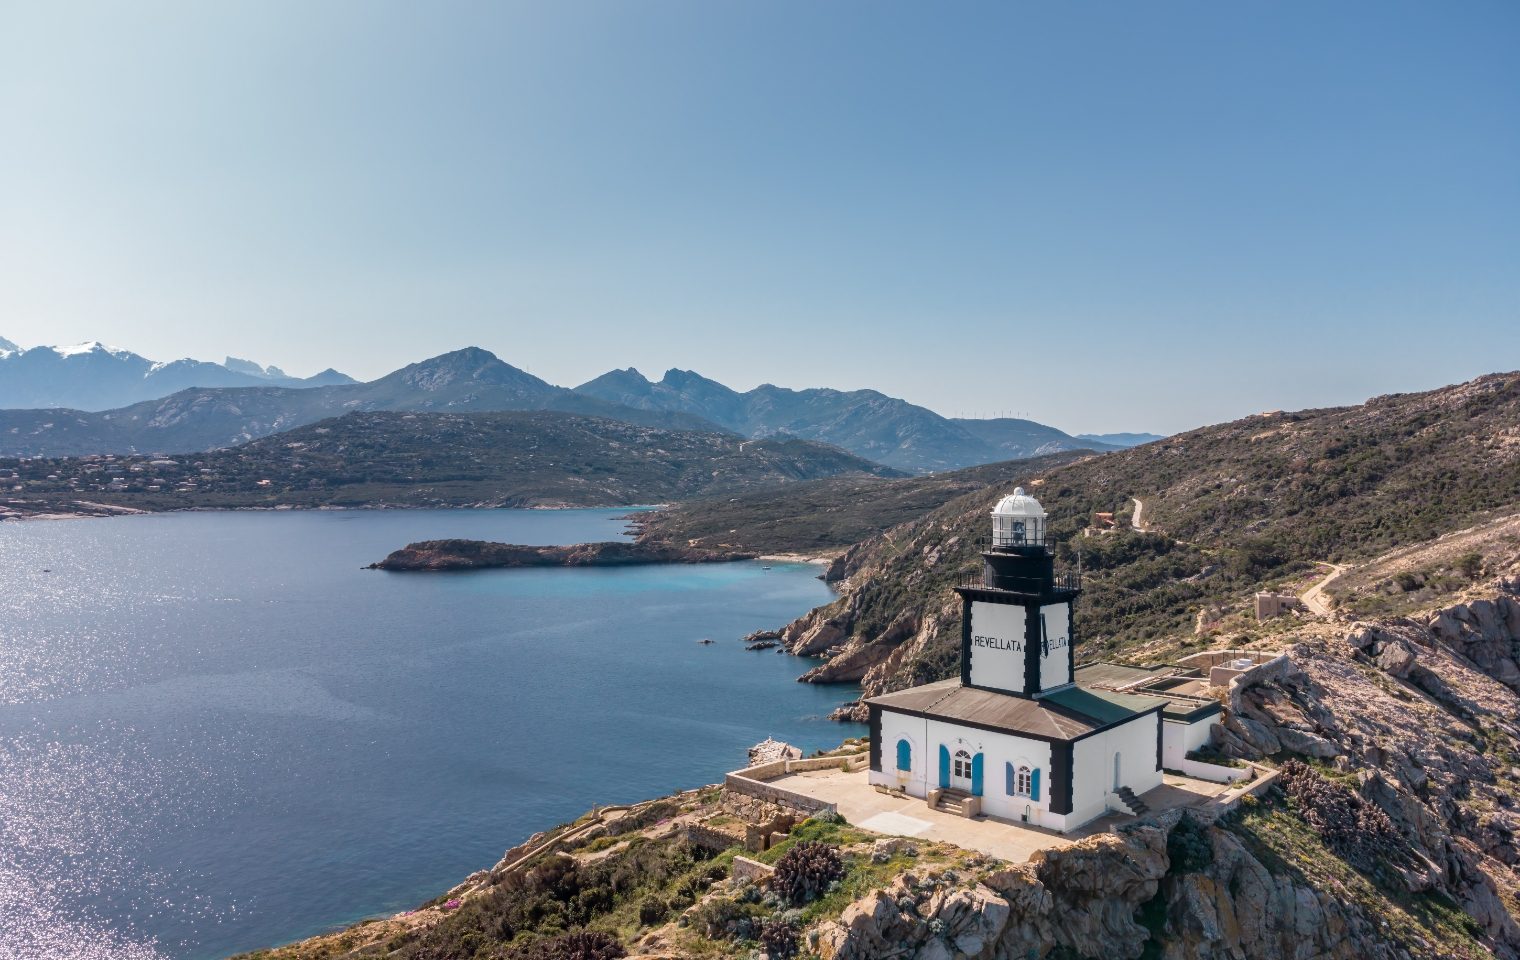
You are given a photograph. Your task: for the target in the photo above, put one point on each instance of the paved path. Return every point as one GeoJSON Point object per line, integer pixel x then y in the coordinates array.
{"type": "Point", "coordinates": [1314, 597]}
{"type": "Point", "coordinates": [862, 805]}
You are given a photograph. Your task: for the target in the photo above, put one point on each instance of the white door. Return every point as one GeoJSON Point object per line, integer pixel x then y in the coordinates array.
{"type": "Point", "coordinates": [960, 771]}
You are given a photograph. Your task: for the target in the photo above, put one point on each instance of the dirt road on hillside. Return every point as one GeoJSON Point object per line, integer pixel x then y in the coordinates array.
{"type": "Point", "coordinates": [1314, 597]}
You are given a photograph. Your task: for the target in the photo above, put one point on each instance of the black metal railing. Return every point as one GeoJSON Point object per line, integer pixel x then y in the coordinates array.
{"type": "Point", "coordinates": [1015, 540]}
{"type": "Point", "coordinates": [1058, 583]}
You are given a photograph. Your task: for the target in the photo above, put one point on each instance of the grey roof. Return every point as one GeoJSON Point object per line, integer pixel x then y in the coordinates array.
{"type": "Point", "coordinates": [1068, 714]}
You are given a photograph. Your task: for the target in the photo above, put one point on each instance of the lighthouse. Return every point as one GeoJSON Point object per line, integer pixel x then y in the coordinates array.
{"type": "Point", "coordinates": [1014, 736]}
{"type": "Point", "coordinates": [1018, 620]}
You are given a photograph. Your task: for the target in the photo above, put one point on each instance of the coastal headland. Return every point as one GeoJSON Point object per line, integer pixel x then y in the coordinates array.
{"type": "Point", "coordinates": [439, 555]}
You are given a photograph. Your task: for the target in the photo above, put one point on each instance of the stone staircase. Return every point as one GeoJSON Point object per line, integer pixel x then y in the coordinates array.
{"type": "Point", "coordinates": [954, 802]}
{"type": "Point", "coordinates": [1135, 804]}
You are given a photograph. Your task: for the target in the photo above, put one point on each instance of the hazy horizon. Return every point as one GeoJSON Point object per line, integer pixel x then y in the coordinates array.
{"type": "Point", "coordinates": [1105, 218]}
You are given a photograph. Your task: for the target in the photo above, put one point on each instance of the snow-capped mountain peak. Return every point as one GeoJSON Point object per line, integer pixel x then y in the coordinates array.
{"type": "Point", "coordinates": [96, 376]}
{"type": "Point", "coordinates": [90, 346]}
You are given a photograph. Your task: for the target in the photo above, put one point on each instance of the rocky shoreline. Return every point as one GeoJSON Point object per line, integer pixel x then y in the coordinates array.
{"type": "Point", "coordinates": [443, 555]}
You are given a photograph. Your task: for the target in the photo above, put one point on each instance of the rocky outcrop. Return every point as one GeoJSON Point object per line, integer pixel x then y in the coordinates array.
{"type": "Point", "coordinates": [1087, 901]}
{"type": "Point", "coordinates": [1423, 713]}
{"type": "Point", "coordinates": [818, 631]}
{"type": "Point", "coordinates": [1486, 632]}
{"type": "Point", "coordinates": [1083, 898]}
{"type": "Point", "coordinates": [483, 554]}
{"type": "Point", "coordinates": [854, 661]}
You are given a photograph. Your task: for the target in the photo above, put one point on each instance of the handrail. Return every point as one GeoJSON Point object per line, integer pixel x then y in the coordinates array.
{"type": "Point", "coordinates": [1059, 582]}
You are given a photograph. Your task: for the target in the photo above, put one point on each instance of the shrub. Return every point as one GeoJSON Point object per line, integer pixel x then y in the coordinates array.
{"type": "Point", "coordinates": [1188, 847]}
{"type": "Point", "coordinates": [720, 918]}
{"type": "Point", "coordinates": [1470, 565]}
{"type": "Point", "coordinates": [581, 945]}
{"type": "Point", "coordinates": [1358, 831]}
{"type": "Point", "coordinates": [652, 910]}
{"type": "Point", "coordinates": [779, 939]}
{"type": "Point", "coordinates": [805, 871]}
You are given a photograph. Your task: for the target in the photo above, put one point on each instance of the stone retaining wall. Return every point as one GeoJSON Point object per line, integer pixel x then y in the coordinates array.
{"type": "Point", "coordinates": [753, 781]}
{"type": "Point", "coordinates": [753, 870]}
{"type": "Point", "coordinates": [1229, 800]}
{"type": "Point", "coordinates": [710, 838]}
{"type": "Point", "coordinates": [739, 783]}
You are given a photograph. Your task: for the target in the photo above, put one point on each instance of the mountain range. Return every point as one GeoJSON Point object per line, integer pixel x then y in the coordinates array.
{"type": "Point", "coordinates": [62, 391]}
{"type": "Point", "coordinates": [93, 376]}
{"type": "Point", "coordinates": [864, 422]}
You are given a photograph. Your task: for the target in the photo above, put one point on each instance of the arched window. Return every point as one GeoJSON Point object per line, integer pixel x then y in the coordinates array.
{"type": "Point", "coordinates": [963, 764]}
{"type": "Point", "coordinates": [1021, 782]}
{"type": "Point", "coordinates": [904, 755]}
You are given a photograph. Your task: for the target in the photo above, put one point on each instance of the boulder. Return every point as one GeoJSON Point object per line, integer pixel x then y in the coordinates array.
{"type": "Point", "coordinates": [1395, 657]}
{"type": "Point", "coordinates": [1361, 636]}
{"type": "Point", "coordinates": [1254, 733]}
{"type": "Point", "coordinates": [1307, 744]}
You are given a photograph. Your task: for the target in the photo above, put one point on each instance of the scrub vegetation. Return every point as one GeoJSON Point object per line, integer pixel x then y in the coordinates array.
{"type": "Point", "coordinates": [596, 898]}
{"type": "Point", "coordinates": [536, 458]}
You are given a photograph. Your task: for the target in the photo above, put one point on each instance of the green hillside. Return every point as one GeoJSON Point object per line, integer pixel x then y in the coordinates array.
{"type": "Point", "coordinates": [441, 459]}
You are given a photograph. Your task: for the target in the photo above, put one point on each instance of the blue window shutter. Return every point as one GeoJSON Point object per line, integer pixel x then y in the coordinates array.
{"type": "Point", "coordinates": [904, 755]}
{"type": "Point", "coordinates": [976, 775]}
{"type": "Point", "coordinates": [1008, 778]}
{"type": "Point", "coordinates": [1034, 784]}
{"type": "Point", "coordinates": [944, 767]}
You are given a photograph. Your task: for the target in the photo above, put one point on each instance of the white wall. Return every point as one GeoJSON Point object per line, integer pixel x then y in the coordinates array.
{"type": "Point", "coordinates": [1055, 666]}
{"type": "Point", "coordinates": [1177, 738]}
{"type": "Point", "coordinates": [997, 645]}
{"type": "Point", "coordinates": [997, 749]}
{"type": "Point", "coordinates": [1093, 766]}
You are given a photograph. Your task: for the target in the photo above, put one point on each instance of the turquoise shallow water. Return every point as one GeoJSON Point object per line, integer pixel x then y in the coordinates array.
{"type": "Point", "coordinates": [217, 732]}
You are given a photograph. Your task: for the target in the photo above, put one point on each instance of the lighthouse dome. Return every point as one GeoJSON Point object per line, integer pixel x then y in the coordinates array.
{"type": "Point", "coordinates": [1018, 504]}
{"type": "Point", "coordinates": [1018, 520]}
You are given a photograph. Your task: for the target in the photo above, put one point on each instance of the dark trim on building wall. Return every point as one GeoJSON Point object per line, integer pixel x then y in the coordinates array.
{"type": "Point", "coordinates": [1061, 770]}
{"type": "Point", "coordinates": [1071, 640]}
{"type": "Point", "coordinates": [873, 715]}
{"type": "Point", "coordinates": [1032, 646]}
{"type": "Point", "coordinates": [1160, 732]}
{"type": "Point", "coordinates": [965, 640]}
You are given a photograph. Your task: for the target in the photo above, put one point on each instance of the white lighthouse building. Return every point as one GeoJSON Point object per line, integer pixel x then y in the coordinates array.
{"type": "Point", "coordinates": [1015, 736]}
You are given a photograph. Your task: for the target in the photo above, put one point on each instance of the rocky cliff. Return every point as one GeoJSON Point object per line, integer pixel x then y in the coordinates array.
{"type": "Point", "coordinates": [1170, 889]}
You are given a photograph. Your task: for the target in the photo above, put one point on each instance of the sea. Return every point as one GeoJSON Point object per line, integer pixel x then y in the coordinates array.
{"type": "Point", "coordinates": [219, 732]}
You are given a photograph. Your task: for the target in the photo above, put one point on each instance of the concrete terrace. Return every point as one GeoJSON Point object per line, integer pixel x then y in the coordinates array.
{"type": "Point", "coordinates": [866, 807]}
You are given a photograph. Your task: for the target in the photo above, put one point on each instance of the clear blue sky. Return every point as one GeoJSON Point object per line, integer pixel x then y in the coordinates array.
{"type": "Point", "coordinates": [1107, 215]}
